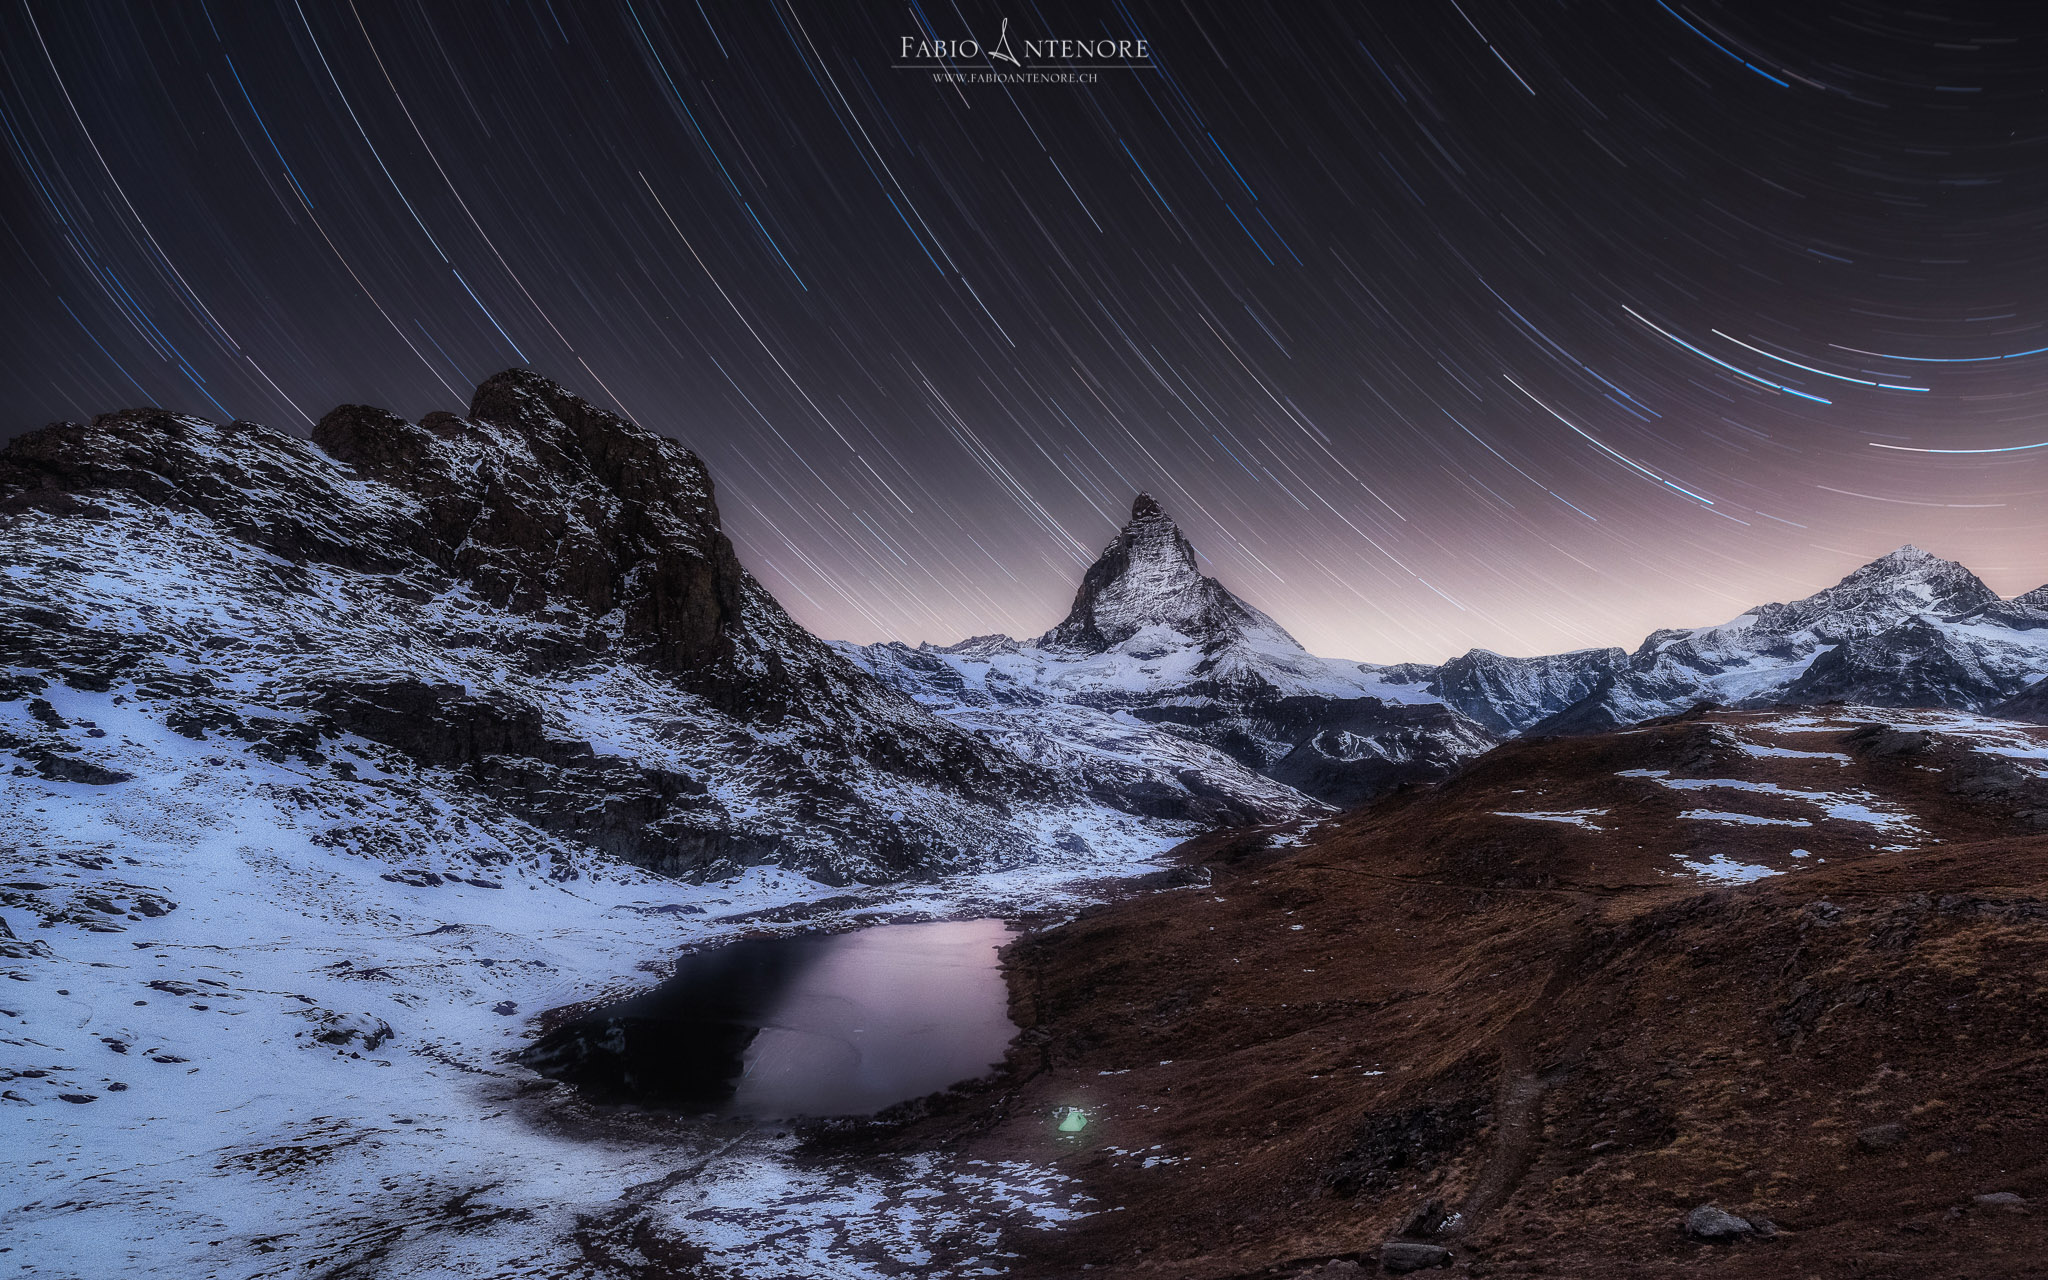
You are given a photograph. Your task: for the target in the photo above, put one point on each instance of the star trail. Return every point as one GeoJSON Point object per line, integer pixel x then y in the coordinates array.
{"type": "Point", "coordinates": [1524, 326]}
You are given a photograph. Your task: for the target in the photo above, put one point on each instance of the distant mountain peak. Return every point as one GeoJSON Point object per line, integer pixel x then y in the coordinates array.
{"type": "Point", "coordinates": [1896, 586]}
{"type": "Point", "coordinates": [1907, 558]}
{"type": "Point", "coordinates": [1939, 585]}
{"type": "Point", "coordinates": [1148, 577]}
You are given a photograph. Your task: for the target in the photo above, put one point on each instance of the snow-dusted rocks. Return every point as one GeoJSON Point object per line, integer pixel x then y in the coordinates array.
{"type": "Point", "coordinates": [1508, 695]}
{"type": "Point", "coordinates": [2022, 613]}
{"type": "Point", "coordinates": [1909, 629]}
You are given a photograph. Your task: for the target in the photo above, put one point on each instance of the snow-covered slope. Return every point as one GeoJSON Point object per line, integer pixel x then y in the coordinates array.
{"type": "Point", "coordinates": [992, 689]}
{"type": "Point", "coordinates": [260, 1011]}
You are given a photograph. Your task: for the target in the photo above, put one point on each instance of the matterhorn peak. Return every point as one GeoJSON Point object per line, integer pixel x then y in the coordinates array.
{"type": "Point", "coordinates": [1148, 577]}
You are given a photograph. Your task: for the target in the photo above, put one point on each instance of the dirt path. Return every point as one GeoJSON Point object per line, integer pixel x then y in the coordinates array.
{"type": "Point", "coordinates": [1518, 1101]}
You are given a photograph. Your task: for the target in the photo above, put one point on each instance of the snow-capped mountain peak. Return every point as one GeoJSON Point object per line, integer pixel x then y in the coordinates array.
{"type": "Point", "coordinates": [1161, 683]}
{"type": "Point", "coordinates": [1908, 580]}
{"type": "Point", "coordinates": [1147, 577]}
{"type": "Point", "coordinates": [1891, 589]}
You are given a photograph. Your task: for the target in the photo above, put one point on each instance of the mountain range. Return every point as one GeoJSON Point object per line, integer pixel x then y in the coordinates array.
{"type": "Point", "coordinates": [533, 606]}
{"type": "Point", "coordinates": [1154, 653]}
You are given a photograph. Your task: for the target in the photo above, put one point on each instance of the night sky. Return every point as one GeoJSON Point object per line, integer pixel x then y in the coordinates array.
{"type": "Point", "coordinates": [1529, 326]}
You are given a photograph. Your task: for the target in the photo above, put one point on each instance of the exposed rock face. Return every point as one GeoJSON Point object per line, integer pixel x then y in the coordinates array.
{"type": "Point", "coordinates": [1914, 664]}
{"type": "Point", "coordinates": [259, 486]}
{"type": "Point", "coordinates": [655, 817]}
{"type": "Point", "coordinates": [2022, 613]}
{"type": "Point", "coordinates": [2030, 704]}
{"type": "Point", "coordinates": [1343, 751]}
{"type": "Point", "coordinates": [541, 502]}
{"type": "Point", "coordinates": [534, 602]}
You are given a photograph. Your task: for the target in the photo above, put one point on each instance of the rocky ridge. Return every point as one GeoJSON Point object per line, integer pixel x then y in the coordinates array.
{"type": "Point", "coordinates": [533, 603]}
{"type": "Point", "coordinates": [1909, 629]}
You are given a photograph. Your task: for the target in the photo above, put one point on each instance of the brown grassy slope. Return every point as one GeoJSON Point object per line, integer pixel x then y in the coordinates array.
{"type": "Point", "coordinates": [1563, 1034]}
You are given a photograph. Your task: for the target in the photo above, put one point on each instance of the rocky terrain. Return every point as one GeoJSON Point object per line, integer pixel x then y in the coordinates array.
{"type": "Point", "coordinates": [1728, 994]}
{"type": "Point", "coordinates": [330, 767]}
{"type": "Point", "coordinates": [532, 606]}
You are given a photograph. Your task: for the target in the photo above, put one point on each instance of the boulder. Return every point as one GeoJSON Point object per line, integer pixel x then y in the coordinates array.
{"type": "Point", "coordinates": [1716, 1226]}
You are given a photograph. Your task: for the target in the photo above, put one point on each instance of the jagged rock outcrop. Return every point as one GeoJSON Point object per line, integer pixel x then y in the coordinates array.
{"type": "Point", "coordinates": [541, 501]}
{"type": "Point", "coordinates": [255, 484]}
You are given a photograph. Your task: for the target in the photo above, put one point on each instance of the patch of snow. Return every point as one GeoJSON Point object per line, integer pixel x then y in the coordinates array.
{"type": "Point", "coordinates": [1574, 817]}
{"type": "Point", "coordinates": [1728, 871]}
{"type": "Point", "coordinates": [1842, 806]}
{"type": "Point", "coordinates": [1761, 751]}
{"type": "Point", "coordinates": [1745, 819]}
